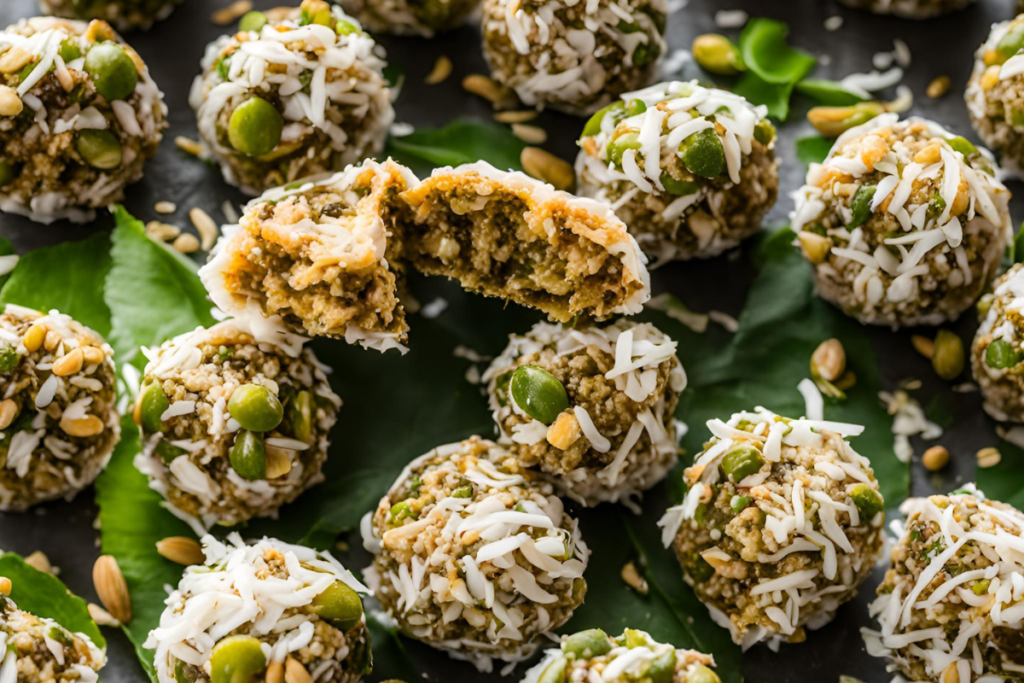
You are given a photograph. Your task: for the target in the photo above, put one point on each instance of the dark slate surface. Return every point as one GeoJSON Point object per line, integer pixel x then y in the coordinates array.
{"type": "Point", "coordinates": [173, 50]}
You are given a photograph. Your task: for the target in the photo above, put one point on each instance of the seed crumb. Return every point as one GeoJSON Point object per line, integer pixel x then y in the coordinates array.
{"type": "Point", "coordinates": [516, 116]}
{"type": "Point", "coordinates": [165, 207]}
{"type": "Point", "coordinates": [489, 89]}
{"type": "Point", "coordinates": [938, 87]}
{"type": "Point", "coordinates": [441, 71]}
{"type": "Point", "coordinates": [935, 458]}
{"type": "Point", "coordinates": [633, 579]}
{"type": "Point", "coordinates": [208, 230]}
{"type": "Point", "coordinates": [533, 135]}
{"type": "Point", "coordinates": [101, 616]}
{"type": "Point", "coordinates": [186, 243]}
{"type": "Point", "coordinates": [923, 345]}
{"type": "Point", "coordinates": [162, 232]}
{"type": "Point", "coordinates": [546, 166]}
{"type": "Point", "coordinates": [988, 457]}
{"type": "Point", "coordinates": [231, 13]}
{"type": "Point", "coordinates": [189, 146]}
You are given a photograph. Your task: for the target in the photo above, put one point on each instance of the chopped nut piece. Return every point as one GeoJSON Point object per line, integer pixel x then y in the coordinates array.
{"type": "Point", "coordinates": [814, 246]}
{"type": "Point", "coordinates": [186, 243]}
{"type": "Point", "coordinates": [181, 550]}
{"type": "Point", "coordinates": [923, 345]}
{"type": "Point", "coordinates": [633, 578]}
{"type": "Point", "coordinates": [547, 167]}
{"type": "Point", "coordinates": [10, 103]}
{"type": "Point", "coordinates": [534, 135]}
{"type": "Point", "coordinates": [112, 589]}
{"type": "Point", "coordinates": [938, 87]}
{"type": "Point", "coordinates": [441, 71]}
{"type": "Point", "coordinates": [206, 227]}
{"type": "Point", "coordinates": [68, 364]}
{"type": "Point", "coordinates": [189, 146]}
{"type": "Point", "coordinates": [519, 116]}
{"type": "Point", "coordinates": [165, 207]}
{"type": "Point", "coordinates": [294, 672]}
{"type": "Point", "coordinates": [988, 457]}
{"type": "Point", "coordinates": [490, 90]}
{"type": "Point", "coordinates": [101, 616]}
{"type": "Point", "coordinates": [935, 458]}
{"type": "Point", "coordinates": [565, 431]}
{"type": "Point", "coordinates": [8, 411]}
{"type": "Point", "coordinates": [162, 232]}
{"type": "Point", "coordinates": [829, 360]}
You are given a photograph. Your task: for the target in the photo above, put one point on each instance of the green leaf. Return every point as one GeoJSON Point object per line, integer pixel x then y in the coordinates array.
{"type": "Point", "coordinates": [827, 92]}
{"type": "Point", "coordinates": [46, 597]}
{"type": "Point", "coordinates": [767, 54]}
{"type": "Point", "coordinates": [461, 142]}
{"type": "Point", "coordinates": [813, 149]}
{"type": "Point", "coordinates": [772, 95]}
{"type": "Point", "coordinates": [67, 277]}
{"type": "Point", "coordinates": [152, 291]}
{"type": "Point", "coordinates": [6, 249]}
{"type": "Point", "coordinates": [1017, 246]}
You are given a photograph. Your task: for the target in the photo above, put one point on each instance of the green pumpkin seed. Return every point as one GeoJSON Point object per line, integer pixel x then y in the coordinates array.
{"type": "Point", "coordinates": [740, 463]}
{"type": "Point", "coordinates": [8, 172]}
{"type": "Point", "coordinates": [868, 501]}
{"type": "Point", "coordinates": [538, 393]}
{"type": "Point", "coordinates": [253, 21]}
{"type": "Point", "coordinates": [554, 672]}
{"type": "Point", "coordinates": [111, 70]}
{"type": "Point", "coordinates": [662, 669]}
{"type": "Point", "coordinates": [255, 127]}
{"type": "Point", "coordinates": [618, 146]}
{"type": "Point", "coordinates": [255, 408]}
{"type": "Point", "coordinates": [249, 456]}
{"type": "Point", "coordinates": [340, 605]}
{"type": "Point", "coordinates": [962, 145]}
{"type": "Point", "coordinates": [948, 357]}
{"type": "Point", "coordinates": [237, 659]}
{"type": "Point", "coordinates": [703, 153]}
{"type": "Point", "coordinates": [99, 148]}
{"type": "Point", "coordinates": [593, 126]}
{"type": "Point", "coordinates": [300, 416]}
{"type": "Point", "coordinates": [702, 674]}
{"type": "Point", "coordinates": [678, 187]}
{"type": "Point", "coordinates": [860, 206]}
{"type": "Point", "coordinates": [154, 403]}
{"type": "Point", "coordinates": [586, 644]}
{"type": "Point", "coordinates": [635, 108]}
{"type": "Point", "coordinates": [1011, 43]}
{"type": "Point", "coordinates": [1001, 355]}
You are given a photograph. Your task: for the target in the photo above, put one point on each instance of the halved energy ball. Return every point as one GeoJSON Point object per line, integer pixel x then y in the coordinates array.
{"type": "Point", "coordinates": [573, 57]}
{"type": "Point", "coordinates": [909, 9]}
{"type": "Point", "coordinates": [904, 223]}
{"type": "Point", "coordinates": [781, 521]}
{"type": "Point", "coordinates": [590, 406]}
{"type": "Point", "coordinates": [36, 650]}
{"type": "Point", "coordinates": [123, 14]}
{"type": "Point", "coordinates": [691, 170]}
{"type": "Point", "coordinates": [998, 348]}
{"type": "Point", "coordinates": [232, 429]}
{"type": "Point", "coordinates": [79, 118]}
{"type": "Point", "coordinates": [262, 611]}
{"type": "Point", "coordinates": [415, 17]}
{"type": "Point", "coordinates": [995, 91]}
{"type": "Point", "coordinates": [291, 95]}
{"type": "Point", "coordinates": [950, 605]}
{"type": "Point", "coordinates": [314, 260]}
{"type": "Point", "coordinates": [634, 656]}
{"type": "Point", "coordinates": [475, 555]}
{"type": "Point", "coordinates": [58, 414]}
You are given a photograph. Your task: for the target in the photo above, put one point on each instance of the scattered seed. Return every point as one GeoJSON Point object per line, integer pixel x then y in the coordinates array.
{"type": "Point", "coordinates": [93, 354]}
{"type": "Point", "coordinates": [547, 167]}
{"type": "Point", "coordinates": [924, 346]}
{"type": "Point", "coordinates": [517, 116]}
{"type": "Point", "coordinates": [441, 71]}
{"type": "Point", "coordinates": [988, 457]}
{"type": "Point", "coordinates": [10, 103]}
{"type": "Point", "coordinates": [275, 672]}
{"type": "Point", "coordinates": [341, 546]}
{"type": "Point", "coordinates": [633, 579]}
{"type": "Point", "coordinates": [229, 211]}
{"type": "Point", "coordinates": [34, 337]}
{"type": "Point", "coordinates": [814, 246]}
{"type": "Point", "coordinates": [935, 458]}
{"type": "Point", "coordinates": [206, 227]}
{"type": "Point", "coordinates": [69, 363]}
{"type": "Point", "coordinates": [294, 672]}
{"type": "Point", "coordinates": [14, 59]}
{"type": "Point", "coordinates": [181, 550]}
{"type": "Point", "coordinates": [948, 358]}
{"type": "Point", "coordinates": [112, 588]}
{"type": "Point", "coordinates": [938, 87]}
{"type": "Point", "coordinates": [489, 89]}
{"type": "Point", "coordinates": [533, 135]}
{"type": "Point", "coordinates": [186, 243]}
{"type": "Point", "coordinates": [951, 674]}
{"type": "Point", "coordinates": [39, 561]}
{"type": "Point", "coordinates": [231, 13]}
{"type": "Point", "coordinates": [5, 586]}
{"type": "Point", "coordinates": [165, 207]}
{"type": "Point", "coordinates": [162, 232]}
{"type": "Point", "coordinates": [101, 616]}
{"type": "Point", "coordinates": [189, 146]}
{"type": "Point", "coordinates": [279, 462]}
{"type": "Point", "coordinates": [52, 340]}
{"type": "Point", "coordinates": [829, 360]}
{"type": "Point", "coordinates": [8, 411]}
{"type": "Point", "coordinates": [82, 427]}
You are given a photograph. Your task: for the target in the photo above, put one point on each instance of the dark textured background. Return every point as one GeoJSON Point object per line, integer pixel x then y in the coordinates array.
{"type": "Point", "coordinates": [173, 50]}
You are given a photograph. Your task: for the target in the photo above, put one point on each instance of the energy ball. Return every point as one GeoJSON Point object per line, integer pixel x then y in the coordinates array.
{"type": "Point", "coordinates": [58, 413]}
{"type": "Point", "coordinates": [590, 406]}
{"type": "Point", "coordinates": [79, 118]}
{"type": "Point", "coordinates": [232, 429]}
{"type": "Point", "coordinates": [573, 57]}
{"type": "Point", "coordinates": [36, 650]}
{"type": "Point", "coordinates": [995, 91]}
{"type": "Point", "coordinates": [909, 9]}
{"type": "Point", "coordinates": [634, 656]}
{"type": "Point", "coordinates": [998, 347]}
{"type": "Point", "coordinates": [904, 223]}
{"type": "Point", "coordinates": [411, 17]}
{"type": "Point", "coordinates": [781, 521]}
{"type": "Point", "coordinates": [474, 554]}
{"type": "Point", "coordinates": [286, 98]}
{"type": "Point", "coordinates": [691, 170]}
{"type": "Point", "coordinates": [950, 606]}
{"type": "Point", "coordinates": [314, 260]}
{"type": "Point", "coordinates": [254, 611]}
{"type": "Point", "coordinates": [124, 14]}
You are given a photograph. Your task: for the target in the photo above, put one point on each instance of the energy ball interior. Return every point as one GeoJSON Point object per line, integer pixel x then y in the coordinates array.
{"type": "Point", "coordinates": [995, 91]}
{"type": "Point", "coordinates": [125, 15]}
{"type": "Point", "coordinates": [904, 223]}
{"type": "Point", "coordinates": [691, 170]}
{"type": "Point", "coordinates": [781, 521]}
{"type": "Point", "coordinates": [474, 555]}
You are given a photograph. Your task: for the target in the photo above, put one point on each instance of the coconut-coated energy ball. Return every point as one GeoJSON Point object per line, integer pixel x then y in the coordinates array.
{"type": "Point", "coordinates": [691, 170]}
{"type": "Point", "coordinates": [776, 507]}
{"type": "Point", "coordinates": [573, 57]}
{"type": "Point", "coordinates": [417, 17]}
{"type": "Point", "coordinates": [79, 118]}
{"type": "Point", "coordinates": [995, 91]}
{"type": "Point", "coordinates": [474, 554]}
{"type": "Point", "coordinates": [232, 429]}
{"type": "Point", "coordinates": [125, 15]}
{"type": "Point", "coordinates": [904, 223]}
{"type": "Point", "coordinates": [293, 93]}
{"type": "Point", "coordinates": [998, 347]}
{"type": "Point", "coordinates": [58, 414]}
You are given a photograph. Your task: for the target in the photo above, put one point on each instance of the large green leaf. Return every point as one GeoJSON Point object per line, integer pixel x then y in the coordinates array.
{"type": "Point", "coordinates": [775, 96]}
{"type": "Point", "coordinates": [461, 142]}
{"type": "Point", "coordinates": [766, 53]}
{"type": "Point", "coordinates": [45, 596]}
{"type": "Point", "coordinates": [813, 149]}
{"type": "Point", "coordinates": [827, 92]}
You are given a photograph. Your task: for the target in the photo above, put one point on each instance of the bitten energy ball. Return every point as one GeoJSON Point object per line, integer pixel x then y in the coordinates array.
{"type": "Point", "coordinates": [573, 57]}
{"type": "Point", "coordinates": [909, 9]}
{"type": "Point", "coordinates": [634, 656]}
{"type": "Point", "coordinates": [781, 521]}
{"type": "Point", "coordinates": [995, 91]}
{"type": "Point", "coordinates": [286, 98]}
{"type": "Point", "coordinates": [58, 415]}
{"type": "Point", "coordinates": [950, 606]}
{"type": "Point", "coordinates": [263, 611]}
{"type": "Point", "coordinates": [591, 406]}
{"type": "Point", "coordinates": [417, 17]}
{"type": "Point", "coordinates": [42, 651]}
{"type": "Point", "coordinates": [690, 170]}
{"type": "Point", "coordinates": [475, 555]}
{"type": "Point", "coordinates": [232, 429]}
{"type": "Point", "coordinates": [998, 347]}
{"type": "Point", "coordinates": [79, 118]}
{"type": "Point", "coordinates": [124, 14]}
{"type": "Point", "coordinates": [904, 223]}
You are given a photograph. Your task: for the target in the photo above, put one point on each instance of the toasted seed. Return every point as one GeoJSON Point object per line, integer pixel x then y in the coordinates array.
{"type": "Point", "coordinates": [518, 116]}
{"type": "Point", "coordinates": [547, 167]}
{"type": "Point", "coordinates": [935, 458]}
{"type": "Point", "coordinates": [162, 232]}
{"type": "Point", "coordinates": [231, 13]}
{"type": "Point", "coordinates": [279, 463]}
{"type": "Point", "coordinates": [40, 562]}
{"type": "Point", "coordinates": [51, 340]}
{"type": "Point", "coordinates": [186, 243]}
{"type": "Point", "coordinates": [14, 60]}
{"type": "Point", "coordinates": [534, 135]}
{"type": "Point", "coordinates": [564, 431]}
{"type": "Point", "coordinates": [34, 337]}
{"type": "Point", "coordinates": [207, 228]}
{"type": "Point", "coordinates": [988, 457]}
{"type": "Point", "coordinates": [829, 360]}
{"type": "Point", "coordinates": [5, 586]}
{"type": "Point", "coordinates": [93, 354]}
{"type": "Point", "coordinates": [82, 427]}
{"type": "Point", "coordinates": [814, 246]}
{"type": "Point", "coordinates": [101, 616]}
{"type": "Point", "coordinates": [189, 146]}
{"type": "Point", "coordinates": [442, 70]}
{"type": "Point", "coordinates": [489, 89]}
{"type": "Point", "coordinates": [294, 672]}
{"type": "Point", "coordinates": [924, 345]}
{"type": "Point", "coordinates": [8, 411]}
{"type": "Point", "coordinates": [275, 672]}
{"type": "Point", "coordinates": [951, 674]}
{"type": "Point", "coordinates": [633, 579]}
{"type": "Point", "coordinates": [181, 550]}
{"type": "Point", "coordinates": [165, 207]}
{"type": "Point", "coordinates": [938, 87]}
{"type": "Point", "coordinates": [68, 364]}
{"type": "Point", "coordinates": [834, 121]}
{"type": "Point", "coordinates": [10, 103]}
{"type": "Point", "coordinates": [112, 588]}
